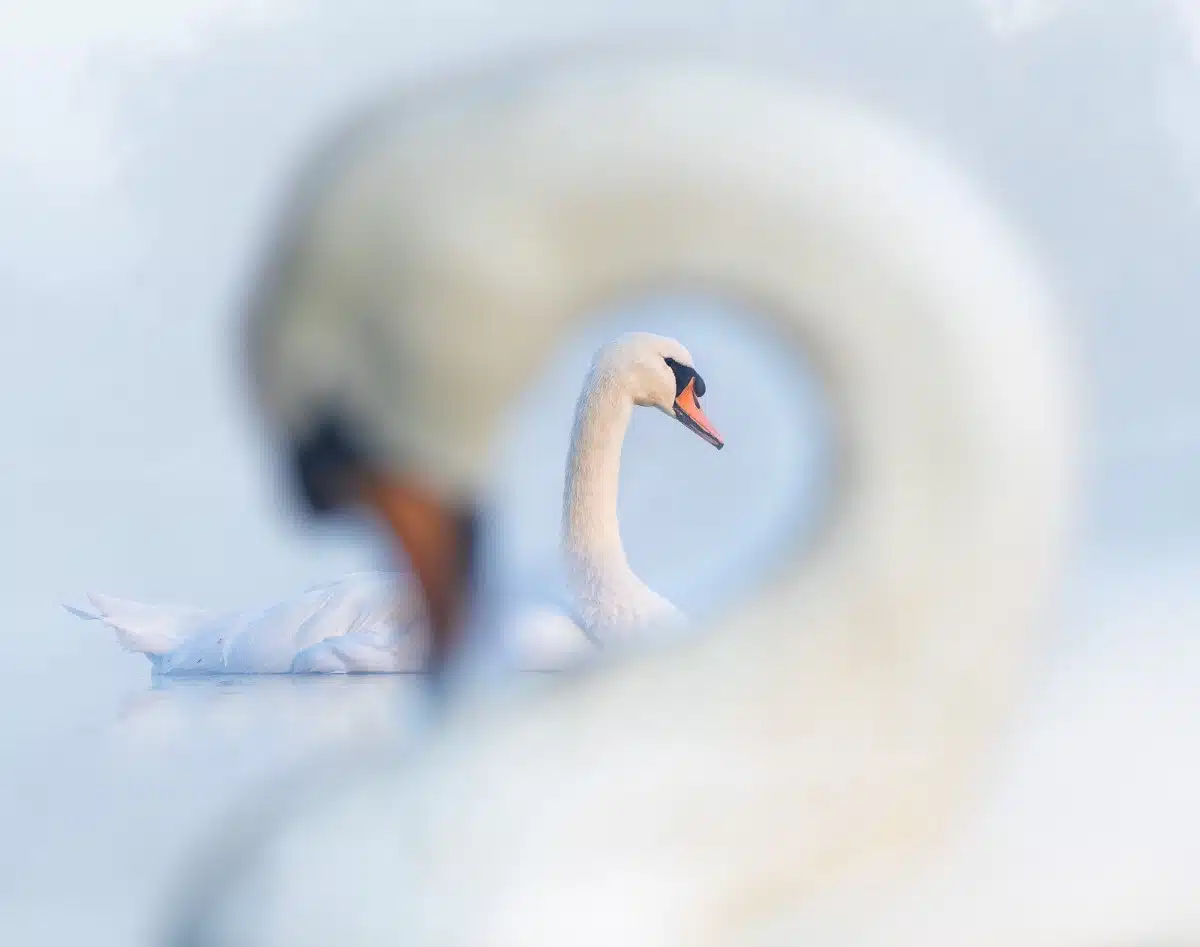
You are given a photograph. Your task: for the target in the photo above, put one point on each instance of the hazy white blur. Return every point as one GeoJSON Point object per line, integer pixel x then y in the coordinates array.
{"type": "Point", "coordinates": [148, 147]}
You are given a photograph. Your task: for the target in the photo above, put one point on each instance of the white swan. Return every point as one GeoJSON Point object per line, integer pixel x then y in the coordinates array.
{"type": "Point", "coordinates": [639, 369]}
{"type": "Point", "coordinates": [822, 733]}
{"type": "Point", "coordinates": [372, 622]}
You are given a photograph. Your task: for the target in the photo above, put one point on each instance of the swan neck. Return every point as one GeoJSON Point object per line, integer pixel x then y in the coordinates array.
{"type": "Point", "coordinates": [591, 534]}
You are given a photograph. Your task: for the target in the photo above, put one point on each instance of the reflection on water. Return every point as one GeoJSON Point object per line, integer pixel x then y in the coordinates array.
{"type": "Point", "coordinates": [299, 709]}
{"type": "Point", "coordinates": [114, 802]}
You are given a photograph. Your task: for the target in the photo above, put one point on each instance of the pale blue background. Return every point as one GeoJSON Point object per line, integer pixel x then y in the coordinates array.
{"type": "Point", "coordinates": [144, 148]}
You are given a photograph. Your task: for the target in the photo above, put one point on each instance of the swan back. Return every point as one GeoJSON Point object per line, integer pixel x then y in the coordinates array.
{"type": "Point", "coordinates": [827, 727]}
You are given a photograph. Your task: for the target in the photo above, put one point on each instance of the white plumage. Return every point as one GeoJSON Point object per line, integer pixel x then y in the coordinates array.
{"type": "Point", "coordinates": [826, 730]}
{"type": "Point", "coordinates": [374, 622]}
{"type": "Point", "coordinates": [361, 622]}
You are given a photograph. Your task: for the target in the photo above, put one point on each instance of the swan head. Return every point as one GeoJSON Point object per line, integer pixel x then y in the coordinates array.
{"type": "Point", "coordinates": [658, 372]}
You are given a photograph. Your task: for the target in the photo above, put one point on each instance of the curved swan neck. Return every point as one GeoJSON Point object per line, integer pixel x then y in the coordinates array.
{"type": "Point", "coordinates": [591, 536]}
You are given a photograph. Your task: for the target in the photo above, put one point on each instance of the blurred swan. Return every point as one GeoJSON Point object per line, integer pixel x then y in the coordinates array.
{"type": "Point", "coordinates": [829, 729]}
{"type": "Point", "coordinates": [373, 622]}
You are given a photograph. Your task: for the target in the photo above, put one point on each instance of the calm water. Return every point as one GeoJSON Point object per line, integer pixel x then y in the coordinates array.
{"type": "Point", "coordinates": [137, 182]}
{"type": "Point", "coordinates": [102, 812]}
{"type": "Point", "coordinates": [112, 780]}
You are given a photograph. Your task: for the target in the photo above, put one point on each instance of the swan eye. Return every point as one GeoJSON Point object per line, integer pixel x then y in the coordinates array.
{"type": "Point", "coordinates": [324, 462]}
{"type": "Point", "coordinates": [683, 375]}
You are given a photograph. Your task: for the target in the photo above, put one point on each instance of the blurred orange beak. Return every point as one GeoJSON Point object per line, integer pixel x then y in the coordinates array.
{"type": "Point", "coordinates": [687, 411]}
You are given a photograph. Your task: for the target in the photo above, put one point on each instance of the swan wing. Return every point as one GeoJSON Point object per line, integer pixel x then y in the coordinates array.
{"type": "Point", "coordinates": [269, 641]}
{"type": "Point", "coordinates": [152, 630]}
{"type": "Point", "coordinates": [381, 649]}
{"type": "Point", "coordinates": [367, 610]}
{"type": "Point", "coordinates": [549, 639]}
{"type": "Point", "coordinates": [540, 626]}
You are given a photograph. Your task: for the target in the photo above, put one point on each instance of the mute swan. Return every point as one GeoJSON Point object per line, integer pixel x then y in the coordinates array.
{"type": "Point", "coordinates": [820, 734]}
{"type": "Point", "coordinates": [370, 622]}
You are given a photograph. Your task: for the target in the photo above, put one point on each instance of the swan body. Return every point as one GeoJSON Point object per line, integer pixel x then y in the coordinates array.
{"type": "Point", "coordinates": [373, 623]}
{"type": "Point", "coordinates": [827, 731]}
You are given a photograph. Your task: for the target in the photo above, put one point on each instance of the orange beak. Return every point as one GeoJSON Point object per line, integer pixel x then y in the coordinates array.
{"type": "Point", "coordinates": [687, 411]}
